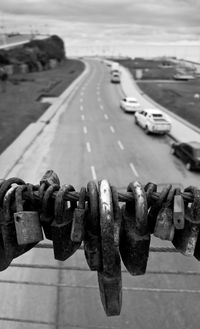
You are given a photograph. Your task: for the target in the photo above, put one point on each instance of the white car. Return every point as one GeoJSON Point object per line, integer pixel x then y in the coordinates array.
{"type": "Point", "coordinates": [153, 121]}
{"type": "Point", "coordinates": [130, 104]}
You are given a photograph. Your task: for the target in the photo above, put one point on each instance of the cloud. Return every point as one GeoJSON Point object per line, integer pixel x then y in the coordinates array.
{"type": "Point", "coordinates": [108, 20]}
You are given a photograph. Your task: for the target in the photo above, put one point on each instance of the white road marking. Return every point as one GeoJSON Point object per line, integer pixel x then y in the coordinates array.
{"type": "Point", "coordinates": [81, 100]}
{"type": "Point", "coordinates": [88, 147]}
{"type": "Point", "coordinates": [101, 107]}
{"type": "Point", "coordinates": [133, 169]}
{"type": "Point", "coordinates": [120, 145]}
{"type": "Point", "coordinates": [94, 176]}
{"type": "Point", "coordinates": [82, 117]}
{"type": "Point", "coordinates": [112, 129]}
{"type": "Point", "coordinates": [81, 107]}
{"type": "Point", "coordinates": [85, 130]}
{"type": "Point", "coordinates": [99, 99]}
{"type": "Point", "coordinates": [106, 116]}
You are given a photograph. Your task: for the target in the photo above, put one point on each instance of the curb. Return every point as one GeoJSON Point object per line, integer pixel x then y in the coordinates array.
{"type": "Point", "coordinates": [15, 151]}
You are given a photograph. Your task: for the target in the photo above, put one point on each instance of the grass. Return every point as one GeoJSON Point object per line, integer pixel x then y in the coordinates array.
{"type": "Point", "coordinates": [19, 104]}
{"type": "Point", "coordinates": [176, 96]}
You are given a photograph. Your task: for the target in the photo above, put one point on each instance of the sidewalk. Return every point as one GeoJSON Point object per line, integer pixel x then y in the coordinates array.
{"type": "Point", "coordinates": [14, 152]}
{"type": "Point", "coordinates": [181, 129]}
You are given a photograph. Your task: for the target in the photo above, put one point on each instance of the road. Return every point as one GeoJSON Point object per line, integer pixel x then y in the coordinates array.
{"type": "Point", "coordinates": [94, 139]}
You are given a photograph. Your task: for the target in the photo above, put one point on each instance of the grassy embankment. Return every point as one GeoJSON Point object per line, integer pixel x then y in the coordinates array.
{"type": "Point", "coordinates": [176, 96]}
{"type": "Point", "coordinates": [19, 105]}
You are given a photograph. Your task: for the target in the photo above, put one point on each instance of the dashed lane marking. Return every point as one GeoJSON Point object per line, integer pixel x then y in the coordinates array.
{"type": "Point", "coordinates": [133, 169]}
{"type": "Point", "coordinates": [85, 130]}
{"type": "Point", "coordinates": [112, 129]}
{"type": "Point", "coordinates": [120, 145]}
{"type": "Point", "coordinates": [82, 117]}
{"type": "Point", "coordinates": [106, 116]}
{"type": "Point", "coordinates": [81, 107]}
{"type": "Point", "coordinates": [88, 147]}
{"type": "Point", "coordinates": [94, 176]}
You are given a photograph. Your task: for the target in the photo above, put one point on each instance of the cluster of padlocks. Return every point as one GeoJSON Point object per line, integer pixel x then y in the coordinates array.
{"type": "Point", "coordinates": [110, 230]}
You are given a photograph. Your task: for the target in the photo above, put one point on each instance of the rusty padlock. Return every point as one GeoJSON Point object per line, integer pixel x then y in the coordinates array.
{"type": "Point", "coordinates": [164, 227]}
{"type": "Point", "coordinates": [92, 247]}
{"type": "Point", "coordinates": [8, 227]}
{"type": "Point", "coordinates": [77, 231]}
{"type": "Point", "coordinates": [109, 278]}
{"type": "Point", "coordinates": [27, 223]}
{"type": "Point", "coordinates": [47, 212]}
{"type": "Point", "coordinates": [178, 210]}
{"type": "Point", "coordinates": [63, 246]}
{"type": "Point", "coordinates": [185, 240]}
{"type": "Point", "coordinates": [134, 234]}
{"type": "Point", "coordinates": [156, 206]}
{"type": "Point", "coordinates": [11, 247]}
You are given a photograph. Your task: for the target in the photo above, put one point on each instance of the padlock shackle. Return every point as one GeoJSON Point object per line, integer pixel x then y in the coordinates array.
{"type": "Point", "coordinates": [140, 208]}
{"type": "Point", "coordinates": [7, 202]}
{"type": "Point", "coordinates": [150, 188]}
{"type": "Point", "coordinates": [47, 198]}
{"type": "Point", "coordinates": [92, 222]}
{"type": "Point", "coordinates": [19, 197]}
{"type": "Point", "coordinates": [117, 216]}
{"type": "Point", "coordinates": [107, 225]}
{"type": "Point", "coordinates": [170, 198]}
{"type": "Point", "coordinates": [7, 184]}
{"type": "Point", "coordinates": [59, 205]}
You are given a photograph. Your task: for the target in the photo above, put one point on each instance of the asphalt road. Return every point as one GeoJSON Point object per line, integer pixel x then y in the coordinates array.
{"type": "Point", "coordinates": [94, 139]}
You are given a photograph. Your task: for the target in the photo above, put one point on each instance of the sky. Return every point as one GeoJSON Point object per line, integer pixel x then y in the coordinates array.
{"type": "Point", "coordinates": [105, 22]}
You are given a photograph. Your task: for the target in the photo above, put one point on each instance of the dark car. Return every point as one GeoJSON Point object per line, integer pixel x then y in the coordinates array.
{"type": "Point", "coordinates": [189, 153]}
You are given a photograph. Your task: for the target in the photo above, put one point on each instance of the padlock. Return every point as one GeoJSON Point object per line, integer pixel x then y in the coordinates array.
{"type": "Point", "coordinates": [178, 210]}
{"type": "Point", "coordinates": [63, 246]}
{"type": "Point", "coordinates": [27, 223]}
{"type": "Point", "coordinates": [109, 278]}
{"type": "Point", "coordinates": [92, 229]}
{"type": "Point", "coordinates": [134, 234]}
{"type": "Point", "coordinates": [156, 206]}
{"type": "Point", "coordinates": [47, 213]}
{"type": "Point", "coordinates": [77, 231]}
{"type": "Point", "coordinates": [10, 245]}
{"type": "Point", "coordinates": [185, 240]}
{"type": "Point", "coordinates": [164, 227]}
{"type": "Point", "coordinates": [48, 179]}
{"type": "Point", "coordinates": [150, 188]}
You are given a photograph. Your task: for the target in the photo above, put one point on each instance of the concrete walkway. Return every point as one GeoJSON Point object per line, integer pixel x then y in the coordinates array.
{"type": "Point", "coordinates": [14, 152]}
{"type": "Point", "coordinates": [181, 129]}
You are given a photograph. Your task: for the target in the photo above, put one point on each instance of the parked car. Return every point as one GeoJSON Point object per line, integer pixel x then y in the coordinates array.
{"type": "Point", "coordinates": [115, 77]}
{"type": "Point", "coordinates": [130, 104]}
{"type": "Point", "coordinates": [153, 121]}
{"type": "Point", "coordinates": [189, 153]}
